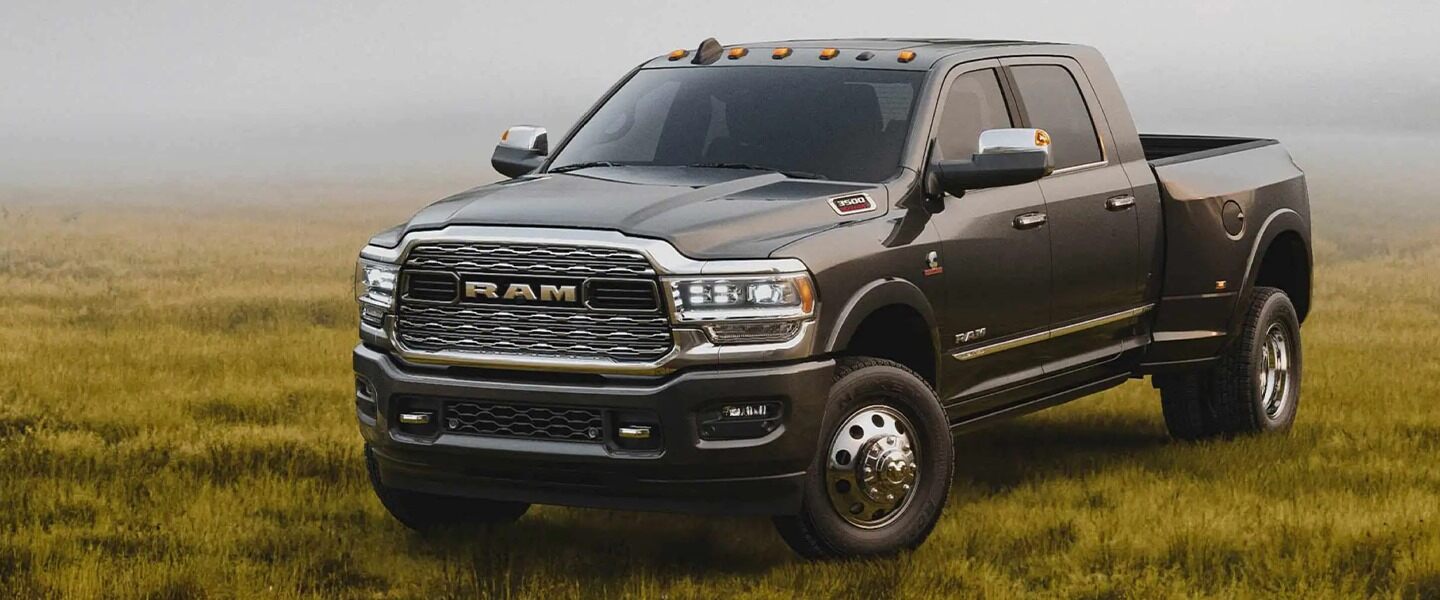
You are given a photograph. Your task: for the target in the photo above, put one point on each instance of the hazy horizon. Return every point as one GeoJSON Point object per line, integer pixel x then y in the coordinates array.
{"type": "Point", "coordinates": [173, 90]}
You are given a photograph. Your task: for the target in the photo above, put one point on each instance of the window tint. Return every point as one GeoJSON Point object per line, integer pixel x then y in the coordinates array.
{"type": "Point", "coordinates": [973, 104]}
{"type": "Point", "coordinates": [1053, 103]}
{"type": "Point", "coordinates": [842, 124]}
{"type": "Point", "coordinates": [632, 135]}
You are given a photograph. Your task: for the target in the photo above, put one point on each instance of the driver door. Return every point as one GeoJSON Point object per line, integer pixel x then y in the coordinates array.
{"type": "Point", "coordinates": [996, 266]}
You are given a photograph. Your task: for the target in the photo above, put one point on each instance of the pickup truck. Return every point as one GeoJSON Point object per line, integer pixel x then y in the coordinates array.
{"type": "Point", "coordinates": [776, 278]}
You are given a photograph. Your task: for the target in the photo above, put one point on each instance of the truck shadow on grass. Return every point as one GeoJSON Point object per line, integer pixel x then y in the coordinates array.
{"type": "Point", "coordinates": [606, 546]}
{"type": "Point", "coordinates": [1007, 455]}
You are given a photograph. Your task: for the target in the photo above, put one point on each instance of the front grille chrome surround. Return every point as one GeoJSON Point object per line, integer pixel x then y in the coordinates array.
{"type": "Point", "coordinates": [529, 328]}
{"type": "Point", "coordinates": [688, 346]}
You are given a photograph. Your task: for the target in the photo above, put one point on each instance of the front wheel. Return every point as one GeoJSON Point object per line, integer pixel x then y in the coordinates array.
{"type": "Point", "coordinates": [1254, 388]}
{"type": "Point", "coordinates": [882, 473]}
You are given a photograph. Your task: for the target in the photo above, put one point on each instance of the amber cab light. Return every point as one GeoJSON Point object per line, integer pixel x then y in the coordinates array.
{"type": "Point", "coordinates": [780, 53]}
{"type": "Point", "coordinates": [907, 56]}
{"type": "Point", "coordinates": [735, 53]}
{"type": "Point", "coordinates": [829, 53]}
{"type": "Point", "coordinates": [679, 54]}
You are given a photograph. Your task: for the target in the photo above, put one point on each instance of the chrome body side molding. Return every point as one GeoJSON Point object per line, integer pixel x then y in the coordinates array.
{"type": "Point", "coordinates": [1012, 344]}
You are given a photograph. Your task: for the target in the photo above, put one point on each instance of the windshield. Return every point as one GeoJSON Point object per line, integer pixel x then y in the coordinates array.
{"type": "Point", "coordinates": [832, 123]}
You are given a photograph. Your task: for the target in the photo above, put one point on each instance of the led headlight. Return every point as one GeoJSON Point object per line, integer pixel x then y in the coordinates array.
{"type": "Point", "coordinates": [739, 309]}
{"type": "Point", "coordinates": [375, 289]}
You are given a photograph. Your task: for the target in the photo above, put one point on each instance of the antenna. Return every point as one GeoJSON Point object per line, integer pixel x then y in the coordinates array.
{"type": "Point", "coordinates": [708, 52]}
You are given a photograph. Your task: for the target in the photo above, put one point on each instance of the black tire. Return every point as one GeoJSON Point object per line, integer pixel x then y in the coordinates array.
{"type": "Point", "coordinates": [1231, 398]}
{"type": "Point", "coordinates": [430, 513]}
{"type": "Point", "coordinates": [1186, 403]}
{"type": "Point", "coordinates": [820, 531]}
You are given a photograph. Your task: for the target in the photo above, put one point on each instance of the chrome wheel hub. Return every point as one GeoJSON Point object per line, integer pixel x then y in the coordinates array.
{"type": "Point", "coordinates": [1275, 371]}
{"type": "Point", "coordinates": [872, 467]}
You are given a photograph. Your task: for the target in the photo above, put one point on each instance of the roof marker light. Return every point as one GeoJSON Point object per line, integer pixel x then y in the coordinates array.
{"type": "Point", "coordinates": [780, 53]}
{"type": "Point", "coordinates": [906, 56]}
{"type": "Point", "coordinates": [867, 55]}
{"type": "Point", "coordinates": [829, 53]}
{"type": "Point", "coordinates": [736, 53]}
{"type": "Point", "coordinates": [679, 54]}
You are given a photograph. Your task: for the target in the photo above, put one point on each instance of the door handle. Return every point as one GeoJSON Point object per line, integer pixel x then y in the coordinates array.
{"type": "Point", "coordinates": [1119, 203]}
{"type": "Point", "coordinates": [1030, 220]}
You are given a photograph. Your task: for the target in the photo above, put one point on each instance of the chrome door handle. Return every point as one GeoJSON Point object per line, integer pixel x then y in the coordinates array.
{"type": "Point", "coordinates": [1030, 220]}
{"type": "Point", "coordinates": [1119, 203]}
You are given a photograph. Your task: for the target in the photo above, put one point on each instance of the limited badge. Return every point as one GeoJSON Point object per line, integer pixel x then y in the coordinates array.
{"type": "Point", "coordinates": [850, 205]}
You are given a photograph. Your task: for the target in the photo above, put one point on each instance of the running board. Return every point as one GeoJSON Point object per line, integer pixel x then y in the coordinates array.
{"type": "Point", "coordinates": [1040, 403]}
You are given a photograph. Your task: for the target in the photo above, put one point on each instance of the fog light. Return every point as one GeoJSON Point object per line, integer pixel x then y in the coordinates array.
{"type": "Point", "coordinates": [418, 416]}
{"type": "Point", "coordinates": [415, 418]}
{"type": "Point", "coordinates": [635, 431]}
{"type": "Point", "coordinates": [740, 420]}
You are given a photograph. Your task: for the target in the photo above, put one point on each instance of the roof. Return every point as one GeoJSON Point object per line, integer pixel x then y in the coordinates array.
{"type": "Point", "coordinates": [888, 43]}
{"type": "Point", "coordinates": [929, 51]}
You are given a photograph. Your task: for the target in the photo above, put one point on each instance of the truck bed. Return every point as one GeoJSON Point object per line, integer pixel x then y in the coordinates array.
{"type": "Point", "coordinates": [1218, 196]}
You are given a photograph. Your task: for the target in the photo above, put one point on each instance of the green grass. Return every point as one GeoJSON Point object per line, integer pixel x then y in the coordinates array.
{"type": "Point", "coordinates": [175, 421]}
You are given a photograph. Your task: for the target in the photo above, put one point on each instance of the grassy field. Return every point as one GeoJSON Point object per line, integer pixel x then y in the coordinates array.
{"type": "Point", "coordinates": [175, 421]}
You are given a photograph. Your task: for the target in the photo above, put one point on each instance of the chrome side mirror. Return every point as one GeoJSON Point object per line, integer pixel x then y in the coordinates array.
{"type": "Point", "coordinates": [1005, 157]}
{"type": "Point", "coordinates": [522, 149]}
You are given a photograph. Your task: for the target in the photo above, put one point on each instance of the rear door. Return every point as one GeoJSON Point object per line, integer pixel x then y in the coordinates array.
{"type": "Point", "coordinates": [1091, 217]}
{"type": "Point", "coordinates": [997, 275]}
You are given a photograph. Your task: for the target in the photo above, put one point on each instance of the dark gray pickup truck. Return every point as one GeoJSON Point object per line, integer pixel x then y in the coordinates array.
{"type": "Point", "coordinates": [776, 278]}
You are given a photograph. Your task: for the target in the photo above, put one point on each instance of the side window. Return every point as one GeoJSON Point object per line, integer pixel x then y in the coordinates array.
{"type": "Point", "coordinates": [973, 104]}
{"type": "Point", "coordinates": [1053, 103]}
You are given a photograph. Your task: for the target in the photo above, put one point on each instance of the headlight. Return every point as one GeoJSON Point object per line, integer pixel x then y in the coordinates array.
{"type": "Point", "coordinates": [375, 289]}
{"type": "Point", "coordinates": [743, 308]}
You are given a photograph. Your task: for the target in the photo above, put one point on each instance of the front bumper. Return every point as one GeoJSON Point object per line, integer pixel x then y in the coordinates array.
{"type": "Point", "coordinates": [761, 475]}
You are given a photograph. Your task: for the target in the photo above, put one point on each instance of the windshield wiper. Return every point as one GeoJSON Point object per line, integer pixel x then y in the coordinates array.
{"type": "Point", "coordinates": [587, 165]}
{"type": "Point", "coordinates": [754, 167]}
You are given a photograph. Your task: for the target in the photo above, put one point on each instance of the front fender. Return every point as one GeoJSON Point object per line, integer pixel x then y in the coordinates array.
{"type": "Point", "coordinates": [874, 296]}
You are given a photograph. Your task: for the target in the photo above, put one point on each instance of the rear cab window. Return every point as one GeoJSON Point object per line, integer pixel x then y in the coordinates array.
{"type": "Point", "coordinates": [1053, 102]}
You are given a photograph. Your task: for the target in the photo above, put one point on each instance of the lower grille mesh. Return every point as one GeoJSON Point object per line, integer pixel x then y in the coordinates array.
{"type": "Point", "coordinates": [525, 421]}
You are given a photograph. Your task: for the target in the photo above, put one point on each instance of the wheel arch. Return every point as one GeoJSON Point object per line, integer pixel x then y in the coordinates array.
{"type": "Point", "coordinates": [885, 319]}
{"type": "Point", "coordinates": [1281, 258]}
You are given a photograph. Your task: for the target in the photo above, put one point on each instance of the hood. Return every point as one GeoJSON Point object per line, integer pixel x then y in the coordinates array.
{"type": "Point", "coordinates": [705, 213]}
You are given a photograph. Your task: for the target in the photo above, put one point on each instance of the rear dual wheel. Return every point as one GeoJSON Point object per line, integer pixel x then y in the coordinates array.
{"type": "Point", "coordinates": [883, 472]}
{"type": "Point", "coordinates": [1254, 388]}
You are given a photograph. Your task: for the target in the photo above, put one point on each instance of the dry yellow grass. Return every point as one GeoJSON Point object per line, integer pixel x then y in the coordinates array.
{"type": "Point", "coordinates": [175, 421]}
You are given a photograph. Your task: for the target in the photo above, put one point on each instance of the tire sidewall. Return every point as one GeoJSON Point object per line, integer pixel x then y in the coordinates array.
{"type": "Point", "coordinates": [1276, 309]}
{"type": "Point", "coordinates": [901, 390]}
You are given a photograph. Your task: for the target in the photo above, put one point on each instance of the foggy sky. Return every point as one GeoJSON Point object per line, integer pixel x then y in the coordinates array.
{"type": "Point", "coordinates": [115, 90]}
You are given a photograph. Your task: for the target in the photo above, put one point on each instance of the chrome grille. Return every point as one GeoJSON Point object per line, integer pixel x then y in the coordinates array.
{"type": "Point", "coordinates": [574, 261]}
{"type": "Point", "coordinates": [529, 421]}
{"type": "Point", "coordinates": [624, 323]}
